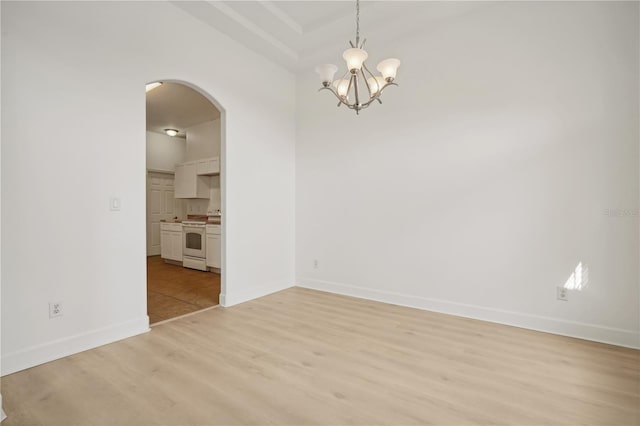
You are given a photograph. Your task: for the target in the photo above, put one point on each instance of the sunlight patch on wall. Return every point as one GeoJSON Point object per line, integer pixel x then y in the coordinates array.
{"type": "Point", "coordinates": [579, 279]}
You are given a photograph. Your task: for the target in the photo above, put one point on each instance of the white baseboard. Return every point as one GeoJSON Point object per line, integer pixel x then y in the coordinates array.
{"type": "Point", "coordinates": [234, 298]}
{"type": "Point", "coordinates": [39, 354]}
{"type": "Point", "coordinates": [597, 333]}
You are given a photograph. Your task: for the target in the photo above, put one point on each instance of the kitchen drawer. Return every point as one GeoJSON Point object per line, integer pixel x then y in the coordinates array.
{"type": "Point", "coordinates": [170, 226]}
{"type": "Point", "coordinates": [214, 229]}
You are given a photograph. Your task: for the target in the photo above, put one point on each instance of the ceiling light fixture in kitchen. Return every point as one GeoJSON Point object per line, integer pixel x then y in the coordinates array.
{"type": "Point", "coordinates": [150, 86]}
{"type": "Point", "coordinates": [171, 132]}
{"type": "Point", "coordinates": [358, 87]}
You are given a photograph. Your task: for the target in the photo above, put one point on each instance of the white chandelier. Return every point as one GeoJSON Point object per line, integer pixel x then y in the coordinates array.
{"type": "Point", "coordinates": [349, 89]}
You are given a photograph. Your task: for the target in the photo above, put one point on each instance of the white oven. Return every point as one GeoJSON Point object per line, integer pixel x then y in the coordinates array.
{"type": "Point", "coordinates": [194, 251]}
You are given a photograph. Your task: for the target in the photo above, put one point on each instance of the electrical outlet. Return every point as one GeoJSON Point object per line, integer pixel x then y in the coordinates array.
{"type": "Point", "coordinates": [55, 309]}
{"type": "Point", "coordinates": [315, 263]}
{"type": "Point", "coordinates": [562, 293]}
{"type": "Point", "coordinates": [114, 204]}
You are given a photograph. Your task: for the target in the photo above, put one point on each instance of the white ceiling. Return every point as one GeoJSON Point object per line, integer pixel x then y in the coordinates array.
{"type": "Point", "coordinates": [297, 35]}
{"type": "Point", "coordinates": [300, 34]}
{"type": "Point", "coordinates": [176, 106]}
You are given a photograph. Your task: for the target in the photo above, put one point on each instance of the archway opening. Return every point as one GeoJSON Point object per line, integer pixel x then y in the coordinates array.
{"type": "Point", "coordinates": [185, 224]}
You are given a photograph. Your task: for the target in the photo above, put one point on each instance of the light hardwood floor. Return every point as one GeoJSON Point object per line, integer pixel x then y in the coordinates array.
{"type": "Point", "coordinates": [301, 357]}
{"type": "Point", "coordinates": [174, 291]}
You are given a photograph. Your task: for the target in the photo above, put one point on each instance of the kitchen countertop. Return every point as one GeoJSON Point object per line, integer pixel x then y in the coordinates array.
{"type": "Point", "coordinates": [209, 222]}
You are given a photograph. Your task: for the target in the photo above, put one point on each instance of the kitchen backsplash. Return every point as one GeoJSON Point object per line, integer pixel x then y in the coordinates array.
{"type": "Point", "coordinates": [197, 206]}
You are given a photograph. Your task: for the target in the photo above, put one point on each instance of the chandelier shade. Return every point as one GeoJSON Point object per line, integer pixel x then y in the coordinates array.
{"type": "Point", "coordinates": [358, 87]}
{"type": "Point", "coordinates": [376, 83]}
{"type": "Point", "coordinates": [388, 68]}
{"type": "Point", "coordinates": [342, 87]}
{"type": "Point", "coordinates": [326, 72]}
{"type": "Point", "coordinates": [355, 58]}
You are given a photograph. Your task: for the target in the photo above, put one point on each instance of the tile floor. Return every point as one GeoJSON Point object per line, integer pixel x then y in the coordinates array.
{"type": "Point", "coordinates": [173, 290]}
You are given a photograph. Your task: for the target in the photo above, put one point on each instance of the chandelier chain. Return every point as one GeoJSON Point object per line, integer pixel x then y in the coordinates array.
{"type": "Point", "coordinates": [357, 23]}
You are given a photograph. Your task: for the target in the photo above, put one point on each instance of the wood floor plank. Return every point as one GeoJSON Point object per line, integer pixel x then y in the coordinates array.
{"type": "Point", "coordinates": [302, 357]}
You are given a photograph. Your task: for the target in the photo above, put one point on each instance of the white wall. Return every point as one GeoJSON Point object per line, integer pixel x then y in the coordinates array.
{"type": "Point", "coordinates": [164, 152]}
{"type": "Point", "coordinates": [2, 413]}
{"type": "Point", "coordinates": [203, 140]}
{"type": "Point", "coordinates": [507, 156]}
{"type": "Point", "coordinates": [83, 66]}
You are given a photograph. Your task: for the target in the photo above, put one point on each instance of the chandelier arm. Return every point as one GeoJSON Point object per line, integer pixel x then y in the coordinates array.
{"type": "Point", "coordinates": [366, 80]}
{"type": "Point", "coordinates": [366, 83]}
{"type": "Point", "coordinates": [332, 91]}
{"type": "Point", "coordinates": [355, 85]}
{"type": "Point", "coordinates": [364, 65]}
{"type": "Point", "coordinates": [335, 92]}
{"type": "Point", "coordinates": [349, 86]}
{"type": "Point", "coordinates": [336, 95]}
{"type": "Point", "coordinates": [355, 106]}
{"type": "Point", "coordinates": [370, 101]}
{"type": "Point", "coordinates": [385, 86]}
{"type": "Point", "coordinates": [377, 96]}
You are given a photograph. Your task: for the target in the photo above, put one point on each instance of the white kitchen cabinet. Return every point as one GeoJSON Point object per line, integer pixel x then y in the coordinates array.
{"type": "Point", "coordinates": [188, 184]}
{"type": "Point", "coordinates": [214, 246]}
{"type": "Point", "coordinates": [171, 241]}
{"type": "Point", "coordinates": [208, 166]}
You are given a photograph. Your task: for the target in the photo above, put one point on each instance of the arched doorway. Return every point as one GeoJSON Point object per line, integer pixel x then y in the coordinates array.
{"type": "Point", "coordinates": [185, 165]}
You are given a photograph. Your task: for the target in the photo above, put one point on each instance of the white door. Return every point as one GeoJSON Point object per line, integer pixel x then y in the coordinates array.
{"type": "Point", "coordinates": [161, 205]}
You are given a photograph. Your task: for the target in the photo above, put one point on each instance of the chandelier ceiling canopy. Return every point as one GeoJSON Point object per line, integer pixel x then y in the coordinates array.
{"type": "Point", "coordinates": [358, 87]}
